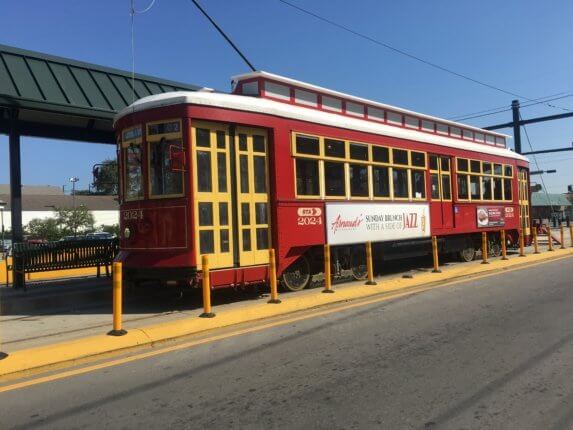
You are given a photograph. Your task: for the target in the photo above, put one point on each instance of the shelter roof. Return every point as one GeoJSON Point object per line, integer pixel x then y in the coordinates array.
{"type": "Point", "coordinates": [545, 199]}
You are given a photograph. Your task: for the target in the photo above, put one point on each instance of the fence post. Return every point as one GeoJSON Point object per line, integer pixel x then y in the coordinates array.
{"type": "Point", "coordinates": [562, 236]}
{"type": "Point", "coordinates": [369, 264]}
{"type": "Point", "coordinates": [521, 243]}
{"type": "Point", "coordinates": [535, 242]}
{"type": "Point", "coordinates": [206, 284]}
{"type": "Point", "coordinates": [327, 275]}
{"type": "Point", "coordinates": [550, 238]}
{"type": "Point", "coordinates": [117, 300]}
{"type": "Point", "coordinates": [273, 277]}
{"type": "Point", "coordinates": [503, 245]}
{"type": "Point", "coordinates": [484, 248]}
{"type": "Point", "coordinates": [435, 255]}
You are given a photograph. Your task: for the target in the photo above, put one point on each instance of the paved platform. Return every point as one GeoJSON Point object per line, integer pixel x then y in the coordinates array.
{"type": "Point", "coordinates": [154, 314]}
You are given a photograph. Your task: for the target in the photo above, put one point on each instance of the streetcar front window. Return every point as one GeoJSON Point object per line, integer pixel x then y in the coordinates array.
{"type": "Point", "coordinates": [165, 181]}
{"type": "Point", "coordinates": [133, 173]}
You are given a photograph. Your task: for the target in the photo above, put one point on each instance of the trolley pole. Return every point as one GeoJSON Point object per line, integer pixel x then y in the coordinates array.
{"type": "Point", "coordinates": [549, 239]}
{"type": "Point", "coordinates": [503, 245]}
{"type": "Point", "coordinates": [435, 255]}
{"type": "Point", "coordinates": [117, 300]}
{"type": "Point", "coordinates": [273, 277]}
{"type": "Point", "coordinates": [521, 243]}
{"type": "Point", "coordinates": [535, 242]}
{"type": "Point", "coordinates": [369, 264]}
{"type": "Point", "coordinates": [327, 275]}
{"type": "Point", "coordinates": [484, 248]}
{"type": "Point", "coordinates": [206, 288]}
{"type": "Point", "coordinates": [562, 236]}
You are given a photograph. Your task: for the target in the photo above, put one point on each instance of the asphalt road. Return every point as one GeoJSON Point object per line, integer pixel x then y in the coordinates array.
{"type": "Point", "coordinates": [495, 352]}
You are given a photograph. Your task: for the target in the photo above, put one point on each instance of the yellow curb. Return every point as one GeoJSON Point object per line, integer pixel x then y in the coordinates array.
{"type": "Point", "coordinates": [70, 351]}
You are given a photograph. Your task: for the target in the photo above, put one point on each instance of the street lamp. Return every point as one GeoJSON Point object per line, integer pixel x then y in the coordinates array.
{"type": "Point", "coordinates": [73, 180]}
{"type": "Point", "coordinates": [2, 206]}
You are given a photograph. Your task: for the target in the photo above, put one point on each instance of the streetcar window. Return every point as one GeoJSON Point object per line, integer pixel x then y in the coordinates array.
{"type": "Point", "coordinates": [419, 184]}
{"type": "Point", "coordinates": [394, 118]}
{"type": "Point", "coordinates": [487, 168]}
{"type": "Point", "coordinates": [222, 172]}
{"type": "Point", "coordinates": [479, 137]}
{"type": "Point", "coordinates": [475, 166]}
{"type": "Point", "coordinates": [381, 181]}
{"type": "Point", "coordinates": [261, 210]}
{"type": "Point", "coordinates": [444, 164]}
{"type": "Point", "coordinates": [497, 189]}
{"type": "Point", "coordinates": [418, 159]}
{"type": "Point", "coordinates": [334, 183]}
{"type": "Point", "coordinates": [486, 187]}
{"type": "Point", "coordinates": [412, 122]}
{"type": "Point", "coordinates": [442, 128]}
{"type": "Point", "coordinates": [507, 189]}
{"type": "Point", "coordinates": [245, 214]}
{"type": "Point", "coordinates": [497, 169]}
{"type": "Point", "coordinates": [204, 171]}
{"type": "Point", "coordinates": [380, 154]}
{"type": "Point", "coordinates": [455, 132]}
{"type": "Point", "coordinates": [400, 180]}
{"type": "Point", "coordinates": [468, 134]}
{"type": "Point", "coordinates": [358, 152]}
{"type": "Point", "coordinates": [358, 180]}
{"type": "Point", "coordinates": [258, 143]}
{"type": "Point", "coordinates": [306, 177]}
{"type": "Point", "coordinates": [206, 242]}
{"type": "Point", "coordinates": [475, 187]}
{"type": "Point", "coordinates": [433, 162]}
{"type": "Point", "coordinates": [164, 181]}
{"type": "Point", "coordinates": [260, 174]}
{"type": "Point", "coordinates": [223, 213]}
{"type": "Point", "coordinates": [246, 239]}
{"type": "Point", "coordinates": [205, 213]}
{"type": "Point", "coordinates": [202, 137]}
{"type": "Point", "coordinates": [400, 156]}
{"type": "Point", "coordinates": [435, 182]}
{"type": "Point", "coordinates": [462, 165]}
{"type": "Point", "coordinates": [263, 238]}
{"type": "Point", "coordinates": [307, 145]}
{"type": "Point", "coordinates": [427, 125]}
{"type": "Point", "coordinates": [133, 173]}
{"type": "Point", "coordinates": [446, 187]}
{"type": "Point", "coordinates": [242, 142]}
{"type": "Point", "coordinates": [221, 140]}
{"type": "Point", "coordinates": [508, 171]}
{"type": "Point", "coordinates": [334, 148]}
{"type": "Point", "coordinates": [224, 239]}
{"type": "Point", "coordinates": [463, 187]}
{"type": "Point", "coordinates": [244, 173]}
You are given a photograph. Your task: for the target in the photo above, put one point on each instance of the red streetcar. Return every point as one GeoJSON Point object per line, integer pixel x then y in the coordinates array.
{"type": "Point", "coordinates": [280, 163]}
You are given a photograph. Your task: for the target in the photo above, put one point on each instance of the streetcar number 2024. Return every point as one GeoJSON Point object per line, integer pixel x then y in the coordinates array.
{"type": "Point", "coordinates": [309, 220]}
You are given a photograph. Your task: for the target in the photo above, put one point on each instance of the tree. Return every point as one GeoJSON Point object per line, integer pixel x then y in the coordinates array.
{"type": "Point", "coordinates": [105, 177]}
{"type": "Point", "coordinates": [112, 229]}
{"type": "Point", "coordinates": [46, 229]}
{"type": "Point", "coordinates": [75, 220]}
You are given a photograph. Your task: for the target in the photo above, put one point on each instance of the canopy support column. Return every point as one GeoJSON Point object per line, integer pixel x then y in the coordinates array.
{"type": "Point", "coordinates": [16, 189]}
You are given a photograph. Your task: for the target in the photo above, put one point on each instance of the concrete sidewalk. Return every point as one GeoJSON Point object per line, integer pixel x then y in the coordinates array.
{"type": "Point", "coordinates": [151, 315]}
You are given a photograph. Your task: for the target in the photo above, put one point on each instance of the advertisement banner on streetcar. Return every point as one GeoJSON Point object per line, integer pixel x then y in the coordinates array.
{"type": "Point", "coordinates": [376, 222]}
{"type": "Point", "coordinates": [490, 216]}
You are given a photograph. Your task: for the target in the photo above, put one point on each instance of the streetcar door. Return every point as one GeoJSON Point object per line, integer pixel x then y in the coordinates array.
{"type": "Point", "coordinates": [441, 210]}
{"type": "Point", "coordinates": [212, 205]}
{"type": "Point", "coordinates": [253, 208]}
{"type": "Point", "coordinates": [523, 182]}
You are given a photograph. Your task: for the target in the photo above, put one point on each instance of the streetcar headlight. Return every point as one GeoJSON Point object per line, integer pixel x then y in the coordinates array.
{"type": "Point", "coordinates": [126, 232]}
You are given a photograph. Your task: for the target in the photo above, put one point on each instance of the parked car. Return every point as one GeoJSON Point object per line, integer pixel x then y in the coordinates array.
{"type": "Point", "coordinates": [100, 235]}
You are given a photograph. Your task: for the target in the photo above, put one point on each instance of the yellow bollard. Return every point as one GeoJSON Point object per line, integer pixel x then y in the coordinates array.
{"type": "Point", "coordinates": [206, 288]}
{"type": "Point", "coordinates": [503, 245]}
{"type": "Point", "coordinates": [521, 244]}
{"type": "Point", "coordinates": [535, 243]}
{"type": "Point", "coordinates": [117, 300]}
{"type": "Point", "coordinates": [369, 264]}
{"type": "Point", "coordinates": [571, 234]}
{"type": "Point", "coordinates": [435, 255]}
{"type": "Point", "coordinates": [562, 237]}
{"type": "Point", "coordinates": [273, 277]}
{"type": "Point", "coordinates": [549, 238]}
{"type": "Point", "coordinates": [484, 248]}
{"type": "Point", "coordinates": [327, 280]}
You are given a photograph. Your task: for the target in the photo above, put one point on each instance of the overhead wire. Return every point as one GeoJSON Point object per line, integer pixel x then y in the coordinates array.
{"type": "Point", "coordinates": [406, 54]}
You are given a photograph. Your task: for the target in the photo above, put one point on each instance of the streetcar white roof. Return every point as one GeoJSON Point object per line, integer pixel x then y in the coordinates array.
{"type": "Point", "coordinates": [286, 110]}
{"type": "Point", "coordinates": [316, 88]}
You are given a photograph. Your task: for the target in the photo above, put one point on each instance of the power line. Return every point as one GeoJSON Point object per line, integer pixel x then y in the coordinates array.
{"type": "Point", "coordinates": [406, 54]}
{"type": "Point", "coordinates": [222, 33]}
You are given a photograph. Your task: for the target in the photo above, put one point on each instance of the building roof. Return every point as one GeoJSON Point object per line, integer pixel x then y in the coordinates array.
{"type": "Point", "coordinates": [56, 91]}
{"type": "Point", "coordinates": [46, 190]}
{"type": "Point", "coordinates": [48, 202]}
{"type": "Point", "coordinates": [291, 111]}
{"type": "Point", "coordinates": [545, 199]}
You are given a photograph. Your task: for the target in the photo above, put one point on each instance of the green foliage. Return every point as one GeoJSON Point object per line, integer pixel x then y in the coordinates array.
{"type": "Point", "coordinates": [113, 229]}
{"type": "Point", "coordinates": [46, 229]}
{"type": "Point", "coordinates": [105, 181]}
{"type": "Point", "coordinates": [75, 221]}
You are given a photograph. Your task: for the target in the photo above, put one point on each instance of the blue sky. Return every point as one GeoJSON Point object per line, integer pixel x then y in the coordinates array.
{"type": "Point", "coordinates": [523, 46]}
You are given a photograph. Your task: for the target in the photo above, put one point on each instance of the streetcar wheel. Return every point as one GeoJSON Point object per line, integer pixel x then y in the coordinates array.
{"type": "Point", "coordinates": [467, 254]}
{"type": "Point", "coordinates": [297, 276]}
{"type": "Point", "coordinates": [358, 264]}
{"type": "Point", "coordinates": [494, 249]}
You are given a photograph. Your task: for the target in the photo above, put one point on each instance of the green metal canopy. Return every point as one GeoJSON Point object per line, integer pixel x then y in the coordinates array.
{"type": "Point", "coordinates": [67, 99]}
{"type": "Point", "coordinates": [545, 199]}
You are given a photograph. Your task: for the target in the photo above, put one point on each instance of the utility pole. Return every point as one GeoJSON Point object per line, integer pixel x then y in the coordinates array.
{"type": "Point", "coordinates": [516, 127]}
